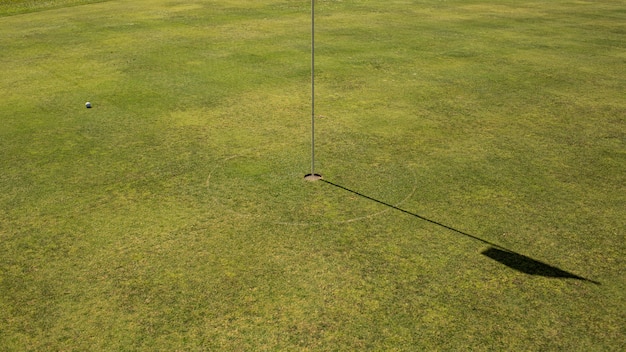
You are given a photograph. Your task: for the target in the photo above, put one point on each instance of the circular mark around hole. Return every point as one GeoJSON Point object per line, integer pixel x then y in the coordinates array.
{"type": "Point", "coordinates": [273, 189]}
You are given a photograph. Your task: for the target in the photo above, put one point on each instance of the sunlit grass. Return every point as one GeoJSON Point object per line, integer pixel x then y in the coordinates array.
{"type": "Point", "coordinates": [173, 215]}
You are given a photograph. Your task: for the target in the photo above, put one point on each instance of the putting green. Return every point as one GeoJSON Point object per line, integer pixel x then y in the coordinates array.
{"type": "Point", "coordinates": [173, 215]}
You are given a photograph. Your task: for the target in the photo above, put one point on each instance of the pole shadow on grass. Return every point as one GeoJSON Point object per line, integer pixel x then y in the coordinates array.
{"type": "Point", "coordinates": [496, 252]}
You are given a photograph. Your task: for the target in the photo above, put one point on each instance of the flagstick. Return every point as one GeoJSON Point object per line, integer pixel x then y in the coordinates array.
{"type": "Point", "coordinates": [312, 176]}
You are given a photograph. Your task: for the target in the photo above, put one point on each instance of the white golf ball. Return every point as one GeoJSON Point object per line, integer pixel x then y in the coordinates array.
{"type": "Point", "coordinates": [88, 105]}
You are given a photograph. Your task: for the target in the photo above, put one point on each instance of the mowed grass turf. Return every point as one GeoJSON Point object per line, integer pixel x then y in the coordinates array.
{"type": "Point", "coordinates": [173, 215]}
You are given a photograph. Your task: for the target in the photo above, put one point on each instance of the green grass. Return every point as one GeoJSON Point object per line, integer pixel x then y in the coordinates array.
{"type": "Point", "coordinates": [173, 215]}
{"type": "Point", "coordinates": [13, 7]}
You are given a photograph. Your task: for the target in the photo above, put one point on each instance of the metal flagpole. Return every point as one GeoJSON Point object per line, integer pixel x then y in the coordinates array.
{"type": "Point", "coordinates": [312, 87]}
{"type": "Point", "coordinates": [312, 176]}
